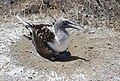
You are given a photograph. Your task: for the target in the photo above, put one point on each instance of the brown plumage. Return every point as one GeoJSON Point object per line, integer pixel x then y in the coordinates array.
{"type": "Point", "coordinates": [40, 35]}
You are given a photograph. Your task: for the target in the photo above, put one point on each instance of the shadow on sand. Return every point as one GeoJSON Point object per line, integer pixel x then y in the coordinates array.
{"type": "Point", "coordinates": [66, 57]}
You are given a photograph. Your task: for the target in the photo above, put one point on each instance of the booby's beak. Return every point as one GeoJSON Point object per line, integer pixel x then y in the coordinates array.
{"type": "Point", "coordinates": [71, 24]}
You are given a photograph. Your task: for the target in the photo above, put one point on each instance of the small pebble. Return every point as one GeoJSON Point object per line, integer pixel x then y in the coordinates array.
{"type": "Point", "coordinates": [91, 32]}
{"type": "Point", "coordinates": [90, 47]}
{"type": "Point", "coordinates": [108, 44]}
{"type": "Point", "coordinates": [63, 65]}
{"type": "Point", "coordinates": [75, 46]}
{"type": "Point", "coordinates": [30, 77]}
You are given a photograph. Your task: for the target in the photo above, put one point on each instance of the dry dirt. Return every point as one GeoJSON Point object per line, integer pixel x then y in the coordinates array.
{"type": "Point", "coordinates": [95, 54]}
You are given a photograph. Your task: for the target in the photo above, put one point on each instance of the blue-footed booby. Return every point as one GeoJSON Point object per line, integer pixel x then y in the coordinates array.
{"type": "Point", "coordinates": [50, 40]}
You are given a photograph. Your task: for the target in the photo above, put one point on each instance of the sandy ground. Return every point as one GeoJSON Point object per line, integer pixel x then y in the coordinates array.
{"type": "Point", "coordinates": [95, 56]}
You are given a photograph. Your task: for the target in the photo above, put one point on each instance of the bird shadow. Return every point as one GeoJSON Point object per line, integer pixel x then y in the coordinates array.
{"type": "Point", "coordinates": [66, 57]}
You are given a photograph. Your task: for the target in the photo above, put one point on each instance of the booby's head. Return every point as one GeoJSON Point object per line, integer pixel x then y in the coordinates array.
{"type": "Point", "coordinates": [65, 23]}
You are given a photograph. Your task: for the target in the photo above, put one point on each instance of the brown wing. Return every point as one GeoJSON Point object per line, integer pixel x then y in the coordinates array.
{"type": "Point", "coordinates": [41, 35]}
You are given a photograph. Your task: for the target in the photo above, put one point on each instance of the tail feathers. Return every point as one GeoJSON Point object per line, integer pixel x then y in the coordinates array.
{"type": "Point", "coordinates": [26, 24]}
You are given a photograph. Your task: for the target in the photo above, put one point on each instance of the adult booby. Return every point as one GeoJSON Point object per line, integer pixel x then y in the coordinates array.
{"type": "Point", "coordinates": [50, 40]}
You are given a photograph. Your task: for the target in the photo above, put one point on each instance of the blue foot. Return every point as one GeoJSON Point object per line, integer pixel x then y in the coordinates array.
{"type": "Point", "coordinates": [61, 56]}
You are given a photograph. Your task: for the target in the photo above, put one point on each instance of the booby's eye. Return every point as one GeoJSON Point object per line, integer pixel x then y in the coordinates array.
{"type": "Point", "coordinates": [65, 22]}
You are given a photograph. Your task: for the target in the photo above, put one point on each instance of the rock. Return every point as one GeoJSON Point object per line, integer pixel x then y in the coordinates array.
{"type": "Point", "coordinates": [90, 47]}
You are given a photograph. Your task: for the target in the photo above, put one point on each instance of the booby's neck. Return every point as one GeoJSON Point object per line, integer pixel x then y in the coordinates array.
{"type": "Point", "coordinates": [60, 34]}
{"type": "Point", "coordinates": [61, 41]}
